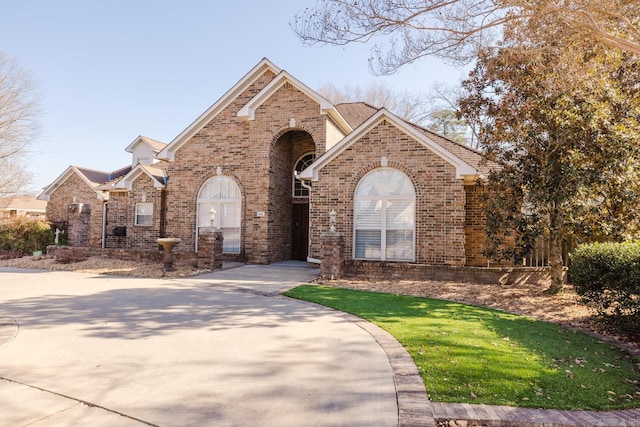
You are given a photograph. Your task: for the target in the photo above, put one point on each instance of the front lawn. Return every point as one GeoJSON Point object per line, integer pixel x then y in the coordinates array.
{"type": "Point", "coordinates": [470, 354]}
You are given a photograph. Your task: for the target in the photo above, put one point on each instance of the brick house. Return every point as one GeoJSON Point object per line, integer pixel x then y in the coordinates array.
{"type": "Point", "coordinates": [16, 206]}
{"type": "Point", "coordinates": [268, 164]}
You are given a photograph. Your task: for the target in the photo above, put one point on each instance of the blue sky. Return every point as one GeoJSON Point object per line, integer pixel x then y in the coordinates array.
{"type": "Point", "coordinates": [109, 71]}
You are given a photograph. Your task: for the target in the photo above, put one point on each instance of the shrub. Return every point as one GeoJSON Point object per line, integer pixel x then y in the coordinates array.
{"type": "Point", "coordinates": [25, 235]}
{"type": "Point", "coordinates": [10, 254]}
{"type": "Point", "coordinates": [607, 277]}
{"type": "Point", "coordinates": [71, 255]}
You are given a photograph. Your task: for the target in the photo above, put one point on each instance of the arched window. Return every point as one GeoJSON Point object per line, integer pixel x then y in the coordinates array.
{"type": "Point", "coordinates": [384, 216]}
{"type": "Point", "coordinates": [220, 200]}
{"type": "Point", "coordinates": [303, 162]}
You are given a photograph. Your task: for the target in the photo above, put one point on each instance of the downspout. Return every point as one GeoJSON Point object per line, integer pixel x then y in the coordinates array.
{"type": "Point", "coordinates": [104, 224]}
{"type": "Point", "coordinates": [308, 187]}
{"type": "Point", "coordinates": [163, 212]}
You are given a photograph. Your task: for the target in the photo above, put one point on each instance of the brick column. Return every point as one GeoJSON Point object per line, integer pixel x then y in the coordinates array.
{"type": "Point", "coordinates": [79, 217]}
{"type": "Point", "coordinates": [332, 249]}
{"type": "Point", "coordinates": [210, 248]}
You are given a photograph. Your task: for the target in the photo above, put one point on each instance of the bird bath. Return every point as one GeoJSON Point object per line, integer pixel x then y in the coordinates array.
{"type": "Point", "coordinates": [168, 243]}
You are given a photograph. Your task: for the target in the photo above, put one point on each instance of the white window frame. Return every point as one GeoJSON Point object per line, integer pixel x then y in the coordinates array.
{"type": "Point", "coordinates": [221, 204]}
{"type": "Point", "coordinates": [296, 180]}
{"type": "Point", "coordinates": [384, 201]}
{"type": "Point", "coordinates": [139, 215]}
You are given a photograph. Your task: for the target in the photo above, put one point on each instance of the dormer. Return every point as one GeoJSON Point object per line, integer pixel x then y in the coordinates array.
{"type": "Point", "coordinates": [144, 150]}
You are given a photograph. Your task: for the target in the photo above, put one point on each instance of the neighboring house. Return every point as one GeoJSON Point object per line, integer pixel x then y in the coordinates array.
{"type": "Point", "coordinates": [22, 206]}
{"type": "Point", "coordinates": [267, 164]}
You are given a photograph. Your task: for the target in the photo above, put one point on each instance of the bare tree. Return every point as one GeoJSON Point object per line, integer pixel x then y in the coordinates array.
{"type": "Point", "coordinates": [435, 110]}
{"type": "Point", "coordinates": [446, 123]}
{"type": "Point", "coordinates": [456, 29]}
{"type": "Point", "coordinates": [19, 107]}
{"type": "Point", "coordinates": [446, 118]}
{"type": "Point", "coordinates": [411, 106]}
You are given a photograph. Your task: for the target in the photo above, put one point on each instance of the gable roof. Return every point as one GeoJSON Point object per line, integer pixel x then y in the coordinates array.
{"type": "Point", "coordinates": [463, 151]}
{"type": "Point", "coordinates": [466, 165]}
{"type": "Point", "coordinates": [356, 113]}
{"type": "Point", "coordinates": [93, 178]}
{"type": "Point", "coordinates": [256, 72]}
{"type": "Point", "coordinates": [156, 146]}
{"type": "Point", "coordinates": [156, 173]}
{"type": "Point", "coordinates": [22, 202]}
{"type": "Point", "coordinates": [247, 112]}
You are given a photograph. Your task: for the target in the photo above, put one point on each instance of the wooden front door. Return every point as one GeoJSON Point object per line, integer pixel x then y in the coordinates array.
{"type": "Point", "coordinates": [300, 238]}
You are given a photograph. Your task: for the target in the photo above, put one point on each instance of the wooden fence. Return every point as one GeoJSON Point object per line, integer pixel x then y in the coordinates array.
{"type": "Point", "coordinates": [539, 255]}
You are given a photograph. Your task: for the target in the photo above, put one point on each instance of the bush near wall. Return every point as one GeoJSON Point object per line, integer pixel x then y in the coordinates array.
{"type": "Point", "coordinates": [24, 235]}
{"type": "Point", "coordinates": [607, 277]}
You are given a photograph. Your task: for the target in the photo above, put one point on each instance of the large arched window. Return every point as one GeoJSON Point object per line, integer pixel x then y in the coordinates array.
{"type": "Point", "coordinates": [384, 216]}
{"type": "Point", "coordinates": [220, 200]}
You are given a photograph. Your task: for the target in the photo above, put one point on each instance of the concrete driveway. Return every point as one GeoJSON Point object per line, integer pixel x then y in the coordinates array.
{"type": "Point", "coordinates": [220, 350]}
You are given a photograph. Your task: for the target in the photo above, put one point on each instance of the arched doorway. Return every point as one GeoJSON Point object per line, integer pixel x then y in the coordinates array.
{"type": "Point", "coordinates": [300, 225]}
{"type": "Point", "coordinates": [289, 199]}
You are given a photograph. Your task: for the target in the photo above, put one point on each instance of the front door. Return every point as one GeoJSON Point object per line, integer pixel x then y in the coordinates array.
{"type": "Point", "coordinates": [300, 238]}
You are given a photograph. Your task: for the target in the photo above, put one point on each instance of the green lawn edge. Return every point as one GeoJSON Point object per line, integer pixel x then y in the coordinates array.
{"type": "Point", "coordinates": [471, 354]}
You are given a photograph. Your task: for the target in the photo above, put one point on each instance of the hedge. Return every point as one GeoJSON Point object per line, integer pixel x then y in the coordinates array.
{"type": "Point", "coordinates": [25, 235]}
{"type": "Point", "coordinates": [607, 277]}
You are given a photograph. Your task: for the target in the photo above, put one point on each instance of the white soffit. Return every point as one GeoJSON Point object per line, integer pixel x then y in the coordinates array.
{"type": "Point", "coordinates": [127, 181]}
{"type": "Point", "coordinates": [462, 168]}
{"type": "Point", "coordinates": [247, 112]}
{"type": "Point", "coordinates": [46, 194]}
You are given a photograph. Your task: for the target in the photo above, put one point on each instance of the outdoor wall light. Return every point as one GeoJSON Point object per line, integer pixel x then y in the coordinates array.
{"type": "Point", "coordinates": [212, 217]}
{"type": "Point", "coordinates": [333, 218]}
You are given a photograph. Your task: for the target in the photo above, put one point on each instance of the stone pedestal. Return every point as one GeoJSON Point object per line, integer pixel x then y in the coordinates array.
{"type": "Point", "coordinates": [332, 251]}
{"type": "Point", "coordinates": [210, 248]}
{"type": "Point", "coordinates": [168, 243]}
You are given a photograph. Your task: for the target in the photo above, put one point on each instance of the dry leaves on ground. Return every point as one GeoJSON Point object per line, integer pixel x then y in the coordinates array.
{"type": "Point", "coordinates": [102, 266]}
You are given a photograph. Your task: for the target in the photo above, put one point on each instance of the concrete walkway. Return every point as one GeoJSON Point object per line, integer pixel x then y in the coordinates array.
{"type": "Point", "coordinates": [212, 350]}
{"type": "Point", "coordinates": [81, 349]}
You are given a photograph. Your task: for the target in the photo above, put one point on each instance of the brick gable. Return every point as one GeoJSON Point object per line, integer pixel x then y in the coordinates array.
{"type": "Point", "coordinates": [440, 196]}
{"type": "Point", "coordinates": [75, 190]}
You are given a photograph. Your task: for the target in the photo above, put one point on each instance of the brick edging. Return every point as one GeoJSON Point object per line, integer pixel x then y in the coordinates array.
{"type": "Point", "coordinates": [416, 409]}
{"type": "Point", "coordinates": [414, 406]}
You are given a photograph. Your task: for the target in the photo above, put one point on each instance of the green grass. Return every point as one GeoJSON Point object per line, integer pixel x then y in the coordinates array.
{"type": "Point", "coordinates": [470, 354]}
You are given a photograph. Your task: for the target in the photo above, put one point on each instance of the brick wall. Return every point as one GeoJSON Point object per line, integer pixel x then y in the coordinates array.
{"type": "Point", "coordinates": [79, 223]}
{"type": "Point", "coordinates": [225, 142]}
{"type": "Point", "coordinates": [475, 235]}
{"type": "Point", "coordinates": [489, 275]}
{"type": "Point", "coordinates": [118, 210]}
{"type": "Point", "coordinates": [259, 155]}
{"type": "Point", "coordinates": [474, 230]}
{"type": "Point", "coordinates": [440, 197]}
{"type": "Point", "coordinates": [144, 236]}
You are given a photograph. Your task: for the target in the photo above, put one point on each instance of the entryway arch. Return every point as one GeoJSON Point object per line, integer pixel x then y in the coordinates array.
{"type": "Point", "coordinates": [288, 198]}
